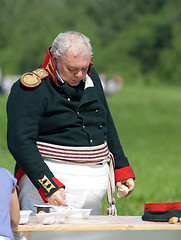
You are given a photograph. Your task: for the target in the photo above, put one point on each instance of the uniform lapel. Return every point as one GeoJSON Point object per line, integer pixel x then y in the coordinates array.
{"type": "Point", "coordinates": [89, 92]}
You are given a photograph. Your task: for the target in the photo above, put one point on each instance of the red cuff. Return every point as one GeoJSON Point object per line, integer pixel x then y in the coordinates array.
{"type": "Point", "coordinates": [123, 174]}
{"type": "Point", "coordinates": [42, 193]}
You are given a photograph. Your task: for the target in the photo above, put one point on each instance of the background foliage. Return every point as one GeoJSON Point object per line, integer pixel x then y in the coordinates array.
{"type": "Point", "coordinates": [139, 40]}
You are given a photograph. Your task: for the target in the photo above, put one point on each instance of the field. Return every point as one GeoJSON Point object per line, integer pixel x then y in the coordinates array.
{"type": "Point", "coordinates": [148, 120]}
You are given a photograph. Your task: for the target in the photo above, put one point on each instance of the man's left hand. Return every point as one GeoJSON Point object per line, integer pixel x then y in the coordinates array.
{"type": "Point", "coordinates": [129, 183]}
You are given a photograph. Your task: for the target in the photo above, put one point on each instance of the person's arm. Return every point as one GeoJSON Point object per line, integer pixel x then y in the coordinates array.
{"type": "Point", "coordinates": [25, 109]}
{"type": "Point", "coordinates": [14, 209]}
{"type": "Point", "coordinates": [123, 170]}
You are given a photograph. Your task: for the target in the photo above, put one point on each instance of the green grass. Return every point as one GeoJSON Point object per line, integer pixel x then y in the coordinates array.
{"type": "Point", "coordinates": [6, 160]}
{"type": "Point", "coordinates": [148, 120]}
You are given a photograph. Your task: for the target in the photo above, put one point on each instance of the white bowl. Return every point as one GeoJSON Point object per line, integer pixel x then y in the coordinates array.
{"type": "Point", "coordinates": [24, 216]}
{"type": "Point", "coordinates": [51, 218]}
{"type": "Point", "coordinates": [44, 207]}
{"type": "Point", "coordinates": [78, 213]}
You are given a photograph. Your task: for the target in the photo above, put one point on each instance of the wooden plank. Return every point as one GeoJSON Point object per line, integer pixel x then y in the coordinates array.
{"type": "Point", "coordinates": [99, 223]}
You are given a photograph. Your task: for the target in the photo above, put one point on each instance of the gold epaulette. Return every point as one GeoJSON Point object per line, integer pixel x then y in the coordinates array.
{"type": "Point", "coordinates": [33, 79]}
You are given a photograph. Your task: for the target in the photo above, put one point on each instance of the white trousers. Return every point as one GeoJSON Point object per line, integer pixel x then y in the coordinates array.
{"type": "Point", "coordinates": [85, 186]}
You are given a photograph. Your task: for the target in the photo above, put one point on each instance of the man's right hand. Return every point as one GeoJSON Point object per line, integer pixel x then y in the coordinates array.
{"type": "Point", "coordinates": [57, 198]}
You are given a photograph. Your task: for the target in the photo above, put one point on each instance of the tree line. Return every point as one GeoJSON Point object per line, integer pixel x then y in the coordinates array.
{"type": "Point", "coordinates": [137, 39]}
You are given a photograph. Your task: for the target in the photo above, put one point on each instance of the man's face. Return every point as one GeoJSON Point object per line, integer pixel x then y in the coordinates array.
{"type": "Point", "coordinates": [72, 68]}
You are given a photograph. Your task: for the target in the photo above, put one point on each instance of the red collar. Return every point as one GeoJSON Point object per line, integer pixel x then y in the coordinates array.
{"type": "Point", "coordinates": [49, 66]}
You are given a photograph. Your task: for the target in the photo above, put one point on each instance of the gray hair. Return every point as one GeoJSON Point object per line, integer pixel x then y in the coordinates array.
{"type": "Point", "coordinates": [64, 41]}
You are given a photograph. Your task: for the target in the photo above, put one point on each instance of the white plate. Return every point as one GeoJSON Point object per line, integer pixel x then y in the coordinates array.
{"type": "Point", "coordinates": [51, 218]}
{"type": "Point", "coordinates": [24, 216]}
{"type": "Point", "coordinates": [78, 213]}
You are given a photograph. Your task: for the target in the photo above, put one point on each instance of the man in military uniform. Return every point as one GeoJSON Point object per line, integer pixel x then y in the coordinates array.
{"type": "Point", "coordinates": [61, 133]}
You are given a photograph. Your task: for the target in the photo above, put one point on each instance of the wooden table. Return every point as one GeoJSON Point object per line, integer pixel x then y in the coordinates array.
{"type": "Point", "coordinates": [94, 223]}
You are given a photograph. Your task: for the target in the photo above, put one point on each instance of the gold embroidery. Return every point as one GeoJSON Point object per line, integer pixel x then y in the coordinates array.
{"type": "Point", "coordinates": [50, 65]}
{"type": "Point", "coordinates": [45, 182]}
{"type": "Point", "coordinates": [48, 69]}
{"type": "Point", "coordinates": [41, 73]}
{"type": "Point", "coordinates": [30, 80]}
{"type": "Point", "coordinates": [33, 79]}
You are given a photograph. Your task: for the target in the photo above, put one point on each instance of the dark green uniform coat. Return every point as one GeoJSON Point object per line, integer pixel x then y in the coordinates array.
{"type": "Point", "coordinates": [59, 114]}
